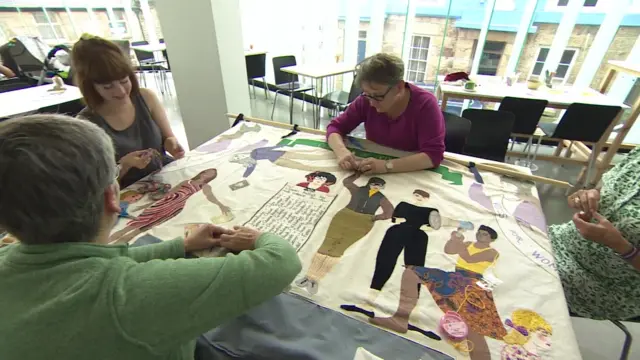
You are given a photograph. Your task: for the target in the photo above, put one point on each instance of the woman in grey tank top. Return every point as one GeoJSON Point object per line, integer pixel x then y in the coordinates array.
{"type": "Point", "coordinates": [133, 117]}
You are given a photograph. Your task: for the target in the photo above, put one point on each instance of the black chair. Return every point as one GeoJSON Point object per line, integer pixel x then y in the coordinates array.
{"type": "Point", "coordinates": [528, 113]}
{"type": "Point", "coordinates": [585, 123]}
{"type": "Point", "coordinates": [490, 133]}
{"type": "Point", "coordinates": [341, 99]}
{"type": "Point", "coordinates": [257, 69]}
{"type": "Point", "coordinates": [285, 81]}
{"type": "Point", "coordinates": [456, 132]}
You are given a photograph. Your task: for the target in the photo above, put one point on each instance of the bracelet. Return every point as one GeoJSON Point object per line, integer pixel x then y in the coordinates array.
{"type": "Point", "coordinates": [629, 255]}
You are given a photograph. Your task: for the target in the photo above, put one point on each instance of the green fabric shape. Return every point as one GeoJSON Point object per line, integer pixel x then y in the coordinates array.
{"type": "Point", "coordinates": [454, 177]}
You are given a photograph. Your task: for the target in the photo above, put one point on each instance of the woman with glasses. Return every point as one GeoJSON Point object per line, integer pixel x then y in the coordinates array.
{"type": "Point", "coordinates": [395, 114]}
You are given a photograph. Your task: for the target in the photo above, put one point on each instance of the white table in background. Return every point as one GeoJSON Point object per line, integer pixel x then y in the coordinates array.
{"type": "Point", "coordinates": [151, 47]}
{"type": "Point", "coordinates": [317, 72]}
{"type": "Point", "coordinates": [31, 99]}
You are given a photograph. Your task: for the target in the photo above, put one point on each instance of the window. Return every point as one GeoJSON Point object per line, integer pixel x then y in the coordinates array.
{"type": "Point", "coordinates": [564, 67]}
{"type": "Point", "coordinates": [118, 24]}
{"type": "Point", "coordinates": [362, 45]}
{"type": "Point", "coordinates": [491, 56]}
{"type": "Point", "coordinates": [49, 31]}
{"type": "Point", "coordinates": [587, 3]}
{"type": "Point", "coordinates": [418, 54]}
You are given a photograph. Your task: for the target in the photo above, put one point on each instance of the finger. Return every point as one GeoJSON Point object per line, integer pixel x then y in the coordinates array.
{"type": "Point", "coordinates": [593, 201]}
{"type": "Point", "coordinates": [598, 217]}
{"type": "Point", "coordinates": [583, 202]}
{"type": "Point", "coordinates": [225, 238]}
{"type": "Point", "coordinates": [237, 227]}
{"type": "Point", "coordinates": [577, 220]}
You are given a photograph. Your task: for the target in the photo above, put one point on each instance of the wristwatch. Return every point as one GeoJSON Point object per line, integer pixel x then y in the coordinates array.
{"type": "Point", "coordinates": [388, 165]}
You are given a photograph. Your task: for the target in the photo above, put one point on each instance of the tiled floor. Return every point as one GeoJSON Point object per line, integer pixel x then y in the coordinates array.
{"type": "Point", "coordinates": [597, 339]}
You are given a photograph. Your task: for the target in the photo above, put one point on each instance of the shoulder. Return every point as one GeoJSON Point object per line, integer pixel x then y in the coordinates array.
{"type": "Point", "coordinates": [89, 115]}
{"type": "Point", "coordinates": [422, 97]}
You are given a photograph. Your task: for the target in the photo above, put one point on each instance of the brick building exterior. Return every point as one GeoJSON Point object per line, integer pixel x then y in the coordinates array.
{"type": "Point", "coordinates": [460, 43]}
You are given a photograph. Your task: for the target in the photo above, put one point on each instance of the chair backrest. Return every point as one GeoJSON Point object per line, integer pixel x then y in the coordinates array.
{"type": "Point", "coordinates": [143, 56]}
{"type": "Point", "coordinates": [136, 43]}
{"type": "Point", "coordinates": [490, 133]}
{"type": "Point", "coordinates": [166, 57]}
{"type": "Point", "coordinates": [15, 84]}
{"type": "Point", "coordinates": [278, 63]}
{"type": "Point", "coordinates": [354, 92]}
{"type": "Point", "coordinates": [527, 112]}
{"type": "Point", "coordinates": [256, 65]}
{"type": "Point", "coordinates": [456, 132]}
{"type": "Point", "coordinates": [585, 122]}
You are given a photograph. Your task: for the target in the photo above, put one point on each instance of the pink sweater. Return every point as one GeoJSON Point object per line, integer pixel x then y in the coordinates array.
{"type": "Point", "coordinates": [419, 129]}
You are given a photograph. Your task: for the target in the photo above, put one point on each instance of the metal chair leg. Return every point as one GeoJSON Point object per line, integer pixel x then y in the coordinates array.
{"type": "Point", "coordinates": [275, 98]}
{"type": "Point", "coordinates": [266, 90]}
{"type": "Point", "coordinates": [628, 339]}
{"type": "Point", "coordinates": [253, 85]}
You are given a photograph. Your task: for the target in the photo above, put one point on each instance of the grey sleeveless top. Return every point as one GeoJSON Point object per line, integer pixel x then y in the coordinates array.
{"type": "Point", "coordinates": [143, 134]}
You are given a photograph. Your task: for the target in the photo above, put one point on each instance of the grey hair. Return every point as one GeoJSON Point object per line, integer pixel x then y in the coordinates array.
{"type": "Point", "coordinates": [382, 68]}
{"type": "Point", "coordinates": [53, 173]}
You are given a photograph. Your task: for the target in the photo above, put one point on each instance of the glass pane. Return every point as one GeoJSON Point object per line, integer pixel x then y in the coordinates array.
{"type": "Point", "coordinates": [542, 55]}
{"type": "Point", "coordinates": [537, 68]}
{"type": "Point", "coordinates": [563, 2]}
{"type": "Point", "coordinates": [415, 53]}
{"type": "Point", "coordinates": [362, 34]}
{"type": "Point", "coordinates": [423, 54]}
{"type": "Point", "coordinates": [590, 3]}
{"type": "Point", "coordinates": [46, 32]}
{"type": "Point", "coordinates": [567, 56]}
{"type": "Point", "coordinates": [411, 76]}
{"type": "Point", "coordinates": [413, 65]}
{"type": "Point", "coordinates": [416, 41]}
{"type": "Point", "coordinates": [40, 17]}
{"type": "Point", "coordinates": [422, 66]}
{"type": "Point", "coordinates": [562, 71]}
{"type": "Point", "coordinates": [425, 42]}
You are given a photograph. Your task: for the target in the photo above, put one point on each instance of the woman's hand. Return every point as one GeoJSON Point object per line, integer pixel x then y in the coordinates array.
{"type": "Point", "coordinates": [347, 161]}
{"type": "Point", "coordinates": [137, 159]}
{"type": "Point", "coordinates": [205, 236]}
{"type": "Point", "coordinates": [602, 231]}
{"type": "Point", "coordinates": [173, 147]}
{"type": "Point", "coordinates": [587, 201]}
{"type": "Point", "coordinates": [370, 166]}
{"type": "Point", "coordinates": [242, 238]}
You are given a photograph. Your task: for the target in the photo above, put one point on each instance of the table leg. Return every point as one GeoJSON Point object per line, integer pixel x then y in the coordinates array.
{"type": "Point", "coordinates": [443, 106]}
{"type": "Point", "coordinates": [291, 100]}
{"type": "Point", "coordinates": [604, 85]}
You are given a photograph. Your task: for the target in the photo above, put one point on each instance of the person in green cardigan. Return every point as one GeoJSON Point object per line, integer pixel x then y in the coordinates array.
{"type": "Point", "coordinates": [67, 294]}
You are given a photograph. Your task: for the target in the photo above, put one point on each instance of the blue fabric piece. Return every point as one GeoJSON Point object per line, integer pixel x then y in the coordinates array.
{"type": "Point", "coordinates": [289, 327]}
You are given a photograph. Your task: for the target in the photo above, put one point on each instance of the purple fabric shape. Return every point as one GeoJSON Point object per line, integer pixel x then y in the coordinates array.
{"type": "Point", "coordinates": [529, 213]}
{"type": "Point", "coordinates": [476, 193]}
{"type": "Point", "coordinates": [264, 153]}
{"type": "Point", "coordinates": [214, 147]}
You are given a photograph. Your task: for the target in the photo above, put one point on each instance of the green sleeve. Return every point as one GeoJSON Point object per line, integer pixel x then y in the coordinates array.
{"type": "Point", "coordinates": [172, 249]}
{"type": "Point", "coordinates": [160, 304]}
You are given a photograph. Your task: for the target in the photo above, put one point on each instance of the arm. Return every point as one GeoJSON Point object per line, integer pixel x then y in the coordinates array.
{"type": "Point", "coordinates": [344, 124]}
{"type": "Point", "coordinates": [208, 193]}
{"type": "Point", "coordinates": [192, 296]}
{"type": "Point", "coordinates": [387, 210]}
{"type": "Point", "coordinates": [157, 113]}
{"type": "Point", "coordinates": [6, 71]}
{"type": "Point", "coordinates": [430, 131]}
{"type": "Point", "coordinates": [455, 244]}
{"type": "Point", "coordinates": [348, 182]}
{"type": "Point", "coordinates": [488, 255]}
{"type": "Point", "coordinates": [172, 249]}
{"type": "Point", "coordinates": [622, 246]}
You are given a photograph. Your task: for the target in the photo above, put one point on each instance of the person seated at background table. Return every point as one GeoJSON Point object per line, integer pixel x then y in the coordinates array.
{"type": "Point", "coordinates": [81, 298]}
{"type": "Point", "coordinates": [597, 252]}
{"type": "Point", "coordinates": [132, 116]}
{"type": "Point", "coordinates": [395, 114]}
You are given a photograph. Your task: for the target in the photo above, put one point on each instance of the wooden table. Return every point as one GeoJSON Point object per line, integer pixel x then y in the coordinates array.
{"type": "Point", "coordinates": [317, 72]}
{"type": "Point", "coordinates": [31, 99]}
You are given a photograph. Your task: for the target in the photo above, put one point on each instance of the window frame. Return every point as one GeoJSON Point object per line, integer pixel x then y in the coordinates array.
{"type": "Point", "coordinates": [571, 65]}
{"type": "Point", "coordinates": [127, 34]}
{"type": "Point", "coordinates": [410, 59]}
{"type": "Point", "coordinates": [54, 26]}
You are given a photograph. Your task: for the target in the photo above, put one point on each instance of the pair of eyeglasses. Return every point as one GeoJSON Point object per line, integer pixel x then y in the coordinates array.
{"type": "Point", "coordinates": [377, 97]}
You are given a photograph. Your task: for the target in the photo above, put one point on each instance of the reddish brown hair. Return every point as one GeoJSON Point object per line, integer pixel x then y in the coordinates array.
{"type": "Point", "coordinates": [98, 61]}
